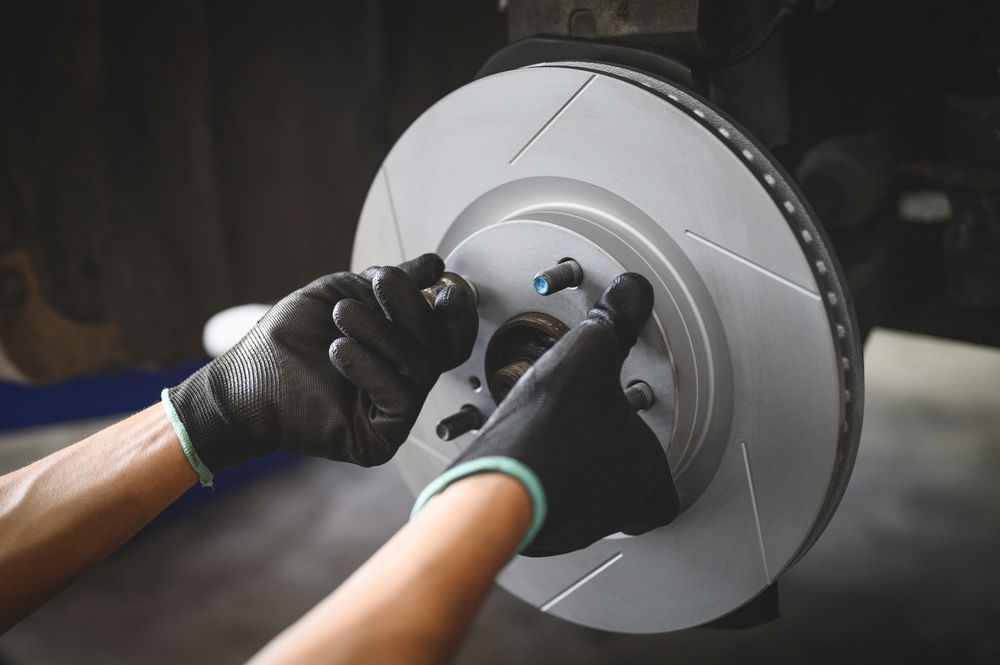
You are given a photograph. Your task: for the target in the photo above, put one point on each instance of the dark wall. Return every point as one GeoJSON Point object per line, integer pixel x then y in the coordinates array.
{"type": "Point", "coordinates": [160, 161]}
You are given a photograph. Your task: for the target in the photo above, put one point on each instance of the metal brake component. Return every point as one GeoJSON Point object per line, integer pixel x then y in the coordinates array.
{"type": "Point", "coordinates": [751, 357]}
{"type": "Point", "coordinates": [449, 279]}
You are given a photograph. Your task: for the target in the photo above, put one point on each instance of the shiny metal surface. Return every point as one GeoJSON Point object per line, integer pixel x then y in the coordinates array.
{"type": "Point", "coordinates": [449, 279]}
{"type": "Point", "coordinates": [751, 350]}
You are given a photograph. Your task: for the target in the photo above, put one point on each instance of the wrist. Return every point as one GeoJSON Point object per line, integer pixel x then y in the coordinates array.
{"type": "Point", "coordinates": [509, 467]}
{"type": "Point", "coordinates": [506, 498]}
{"type": "Point", "coordinates": [204, 474]}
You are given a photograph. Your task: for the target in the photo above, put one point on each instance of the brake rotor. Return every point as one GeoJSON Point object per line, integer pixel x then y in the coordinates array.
{"type": "Point", "coordinates": [751, 352]}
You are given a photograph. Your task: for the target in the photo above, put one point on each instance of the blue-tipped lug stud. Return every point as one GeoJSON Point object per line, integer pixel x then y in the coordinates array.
{"type": "Point", "coordinates": [564, 275]}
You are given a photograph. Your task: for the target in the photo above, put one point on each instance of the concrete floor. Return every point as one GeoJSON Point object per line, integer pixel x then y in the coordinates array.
{"type": "Point", "coordinates": [907, 571]}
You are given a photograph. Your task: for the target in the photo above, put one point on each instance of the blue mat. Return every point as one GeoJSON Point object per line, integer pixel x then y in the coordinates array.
{"type": "Point", "coordinates": [121, 392]}
{"type": "Point", "coordinates": [86, 397]}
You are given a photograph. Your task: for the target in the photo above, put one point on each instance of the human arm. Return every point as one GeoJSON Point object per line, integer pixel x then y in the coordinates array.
{"type": "Point", "coordinates": [64, 513]}
{"type": "Point", "coordinates": [413, 601]}
{"type": "Point", "coordinates": [579, 464]}
{"type": "Point", "coordinates": [295, 382]}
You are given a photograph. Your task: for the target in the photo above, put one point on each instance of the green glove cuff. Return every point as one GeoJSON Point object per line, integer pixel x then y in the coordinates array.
{"type": "Point", "coordinates": [507, 465]}
{"type": "Point", "coordinates": [204, 475]}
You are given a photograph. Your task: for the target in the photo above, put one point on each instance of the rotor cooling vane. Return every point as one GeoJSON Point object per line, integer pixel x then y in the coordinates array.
{"type": "Point", "coordinates": [749, 369]}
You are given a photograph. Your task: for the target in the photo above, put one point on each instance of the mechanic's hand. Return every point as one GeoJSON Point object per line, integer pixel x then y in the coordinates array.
{"type": "Point", "coordinates": [567, 427]}
{"type": "Point", "coordinates": [338, 369]}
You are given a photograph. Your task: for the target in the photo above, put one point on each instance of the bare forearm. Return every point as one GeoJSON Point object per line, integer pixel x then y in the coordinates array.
{"type": "Point", "coordinates": [67, 511]}
{"type": "Point", "coordinates": [414, 599]}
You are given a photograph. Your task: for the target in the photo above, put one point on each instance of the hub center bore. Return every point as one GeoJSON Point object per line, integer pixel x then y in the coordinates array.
{"type": "Point", "coordinates": [515, 347]}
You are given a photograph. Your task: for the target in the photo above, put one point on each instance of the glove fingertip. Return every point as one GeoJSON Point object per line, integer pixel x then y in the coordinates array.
{"type": "Point", "coordinates": [626, 304]}
{"type": "Point", "coordinates": [454, 297]}
{"type": "Point", "coordinates": [347, 312]}
{"type": "Point", "coordinates": [631, 295]}
{"type": "Point", "coordinates": [338, 311]}
{"type": "Point", "coordinates": [340, 352]}
{"type": "Point", "coordinates": [424, 270]}
{"type": "Point", "coordinates": [390, 283]}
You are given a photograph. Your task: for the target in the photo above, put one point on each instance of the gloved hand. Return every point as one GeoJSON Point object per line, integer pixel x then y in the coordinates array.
{"type": "Point", "coordinates": [338, 369]}
{"type": "Point", "coordinates": [566, 431]}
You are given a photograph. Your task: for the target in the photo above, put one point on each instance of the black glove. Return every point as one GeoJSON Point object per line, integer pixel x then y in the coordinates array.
{"type": "Point", "coordinates": [568, 434]}
{"type": "Point", "coordinates": [338, 369]}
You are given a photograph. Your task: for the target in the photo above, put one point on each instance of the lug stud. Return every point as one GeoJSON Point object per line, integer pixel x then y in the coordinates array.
{"type": "Point", "coordinates": [639, 395]}
{"type": "Point", "coordinates": [563, 275]}
{"type": "Point", "coordinates": [464, 420]}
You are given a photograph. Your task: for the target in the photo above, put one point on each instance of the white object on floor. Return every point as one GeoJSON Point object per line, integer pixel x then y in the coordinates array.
{"type": "Point", "coordinates": [229, 326]}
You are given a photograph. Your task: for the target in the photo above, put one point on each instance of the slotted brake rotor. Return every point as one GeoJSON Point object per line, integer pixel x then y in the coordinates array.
{"type": "Point", "coordinates": [752, 352]}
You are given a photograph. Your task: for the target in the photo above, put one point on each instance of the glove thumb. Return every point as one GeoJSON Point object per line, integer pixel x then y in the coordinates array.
{"type": "Point", "coordinates": [625, 306]}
